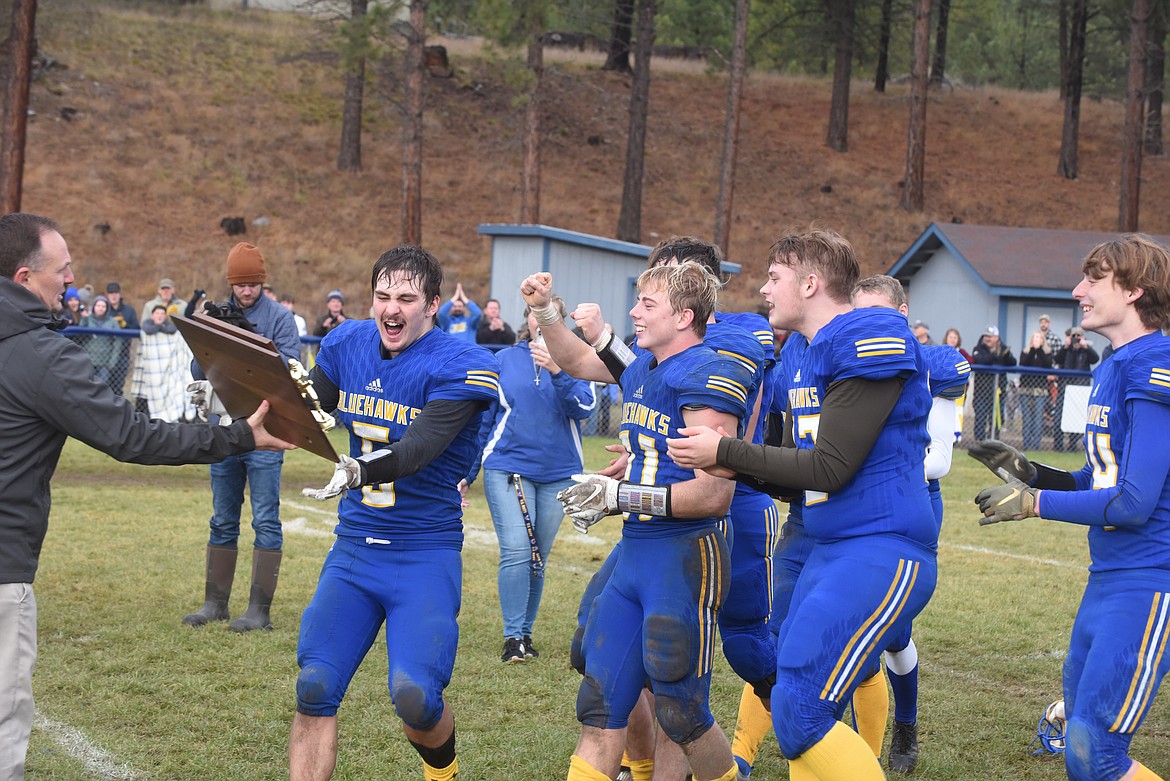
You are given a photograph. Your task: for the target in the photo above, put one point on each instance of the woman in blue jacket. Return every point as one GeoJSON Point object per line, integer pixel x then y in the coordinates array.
{"type": "Point", "coordinates": [531, 446]}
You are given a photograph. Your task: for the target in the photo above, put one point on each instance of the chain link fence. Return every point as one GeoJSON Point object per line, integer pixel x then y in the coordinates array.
{"type": "Point", "coordinates": [1031, 409]}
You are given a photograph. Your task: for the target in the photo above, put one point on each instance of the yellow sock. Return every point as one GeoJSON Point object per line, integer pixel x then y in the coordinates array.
{"type": "Point", "coordinates": [730, 775]}
{"type": "Point", "coordinates": [449, 773]}
{"type": "Point", "coordinates": [871, 708]}
{"type": "Point", "coordinates": [580, 770]}
{"type": "Point", "coordinates": [800, 772]}
{"type": "Point", "coordinates": [841, 755]}
{"type": "Point", "coordinates": [751, 726]}
{"type": "Point", "coordinates": [1139, 772]}
{"type": "Point", "coordinates": [640, 769]}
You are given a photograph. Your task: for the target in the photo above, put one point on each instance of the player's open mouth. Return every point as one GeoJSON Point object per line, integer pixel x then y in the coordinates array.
{"type": "Point", "coordinates": [393, 328]}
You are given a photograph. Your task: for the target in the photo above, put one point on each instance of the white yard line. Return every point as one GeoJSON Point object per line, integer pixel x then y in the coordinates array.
{"type": "Point", "coordinates": [1017, 556]}
{"type": "Point", "coordinates": [98, 762]}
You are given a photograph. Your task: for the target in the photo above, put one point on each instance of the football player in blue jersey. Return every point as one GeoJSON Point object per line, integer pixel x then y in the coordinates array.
{"type": "Point", "coordinates": [412, 398]}
{"type": "Point", "coordinates": [655, 616]}
{"type": "Point", "coordinates": [1116, 657]}
{"type": "Point", "coordinates": [754, 720]}
{"type": "Point", "coordinates": [949, 373]}
{"type": "Point", "coordinates": [856, 439]}
{"type": "Point", "coordinates": [747, 643]}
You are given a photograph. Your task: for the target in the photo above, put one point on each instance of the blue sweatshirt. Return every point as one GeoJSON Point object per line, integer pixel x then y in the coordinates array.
{"type": "Point", "coordinates": [535, 428]}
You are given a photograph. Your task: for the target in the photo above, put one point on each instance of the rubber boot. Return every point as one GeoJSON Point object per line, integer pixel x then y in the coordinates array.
{"type": "Point", "coordinates": [221, 570]}
{"type": "Point", "coordinates": [265, 571]}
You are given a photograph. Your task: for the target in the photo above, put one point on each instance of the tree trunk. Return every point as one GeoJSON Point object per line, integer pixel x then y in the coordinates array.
{"type": "Point", "coordinates": [22, 46]}
{"type": "Point", "coordinates": [349, 156]}
{"type": "Point", "coordinates": [882, 70]}
{"type": "Point", "coordinates": [913, 196]}
{"type": "Point", "coordinates": [731, 127]}
{"type": "Point", "coordinates": [1070, 133]}
{"type": "Point", "coordinates": [1131, 146]}
{"type": "Point", "coordinates": [938, 71]}
{"type": "Point", "coordinates": [1062, 33]}
{"type": "Point", "coordinates": [842, 75]}
{"type": "Point", "coordinates": [618, 58]}
{"type": "Point", "coordinates": [530, 189]}
{"type": "Point", "coordinates": [1155, 79]}
{"type": "Point", "coordinates": [412, 126]}
{"type": "Point", "coordinates": [630, 220]}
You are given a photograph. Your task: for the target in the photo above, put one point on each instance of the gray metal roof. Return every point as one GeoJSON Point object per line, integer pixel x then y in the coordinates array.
{"type": "Point", "coordinates": [1008, 257]}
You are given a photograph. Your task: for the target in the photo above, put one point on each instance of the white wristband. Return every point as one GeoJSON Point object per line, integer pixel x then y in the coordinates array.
{"type": "Point", "coordinates": [546, 315]}
{"type": "Point", "coordinates": [603, 340]}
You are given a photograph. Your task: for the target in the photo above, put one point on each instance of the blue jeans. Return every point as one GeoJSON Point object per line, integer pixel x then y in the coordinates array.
{"type": "Point", "coordinates": [520, 588]}
{"type": "Point", "coordinates": [1032, 408]}
{"type": "Point", "coordinates": [260, 470]}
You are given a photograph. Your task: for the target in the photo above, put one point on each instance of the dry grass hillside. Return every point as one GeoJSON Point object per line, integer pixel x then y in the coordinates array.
{"type": "Point", "coordinates": [184, 117]}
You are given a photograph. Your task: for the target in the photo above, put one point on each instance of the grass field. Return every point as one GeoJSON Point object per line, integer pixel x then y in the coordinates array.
{"type": "Point", "coordinates": [124, 690]}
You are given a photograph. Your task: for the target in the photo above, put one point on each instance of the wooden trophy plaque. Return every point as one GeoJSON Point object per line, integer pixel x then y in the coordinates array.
{"type": "Point", "coordinates": [245, 369]}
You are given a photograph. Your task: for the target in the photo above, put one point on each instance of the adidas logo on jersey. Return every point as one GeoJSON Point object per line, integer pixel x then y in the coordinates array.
{"type": "Point", "coordinates": [796, 377]}
{"type": "Point", "coordinates": [375, 385]}
{"type": "Point", "coordinates": [638, 393]}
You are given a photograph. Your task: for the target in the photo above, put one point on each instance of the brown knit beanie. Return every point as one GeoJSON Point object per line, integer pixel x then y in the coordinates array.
{"type": "Point", "coordinates": [245, 265]}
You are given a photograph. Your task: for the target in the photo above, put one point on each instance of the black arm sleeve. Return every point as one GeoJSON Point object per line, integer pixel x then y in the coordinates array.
{"type": "Point", "coordinates": [852, 417]}
{"type": "Point", "coordinates": [327, 393]}
{"type": "Point", "coordinates": [1049, 478]}
{"type": "Point", "coordinates": [776, 434]}
{"type": "Point", "coordinates": [426, 437]}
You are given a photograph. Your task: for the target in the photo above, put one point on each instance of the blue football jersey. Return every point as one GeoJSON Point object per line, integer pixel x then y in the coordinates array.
{"type": "Point", "coordinates": [888, 494]}
{"type": "Point", "coordinates": [1139, 370]}
{"type": "Point", "coordinates": [653, 397]}
{"type": "Point", "coordinates": [949, 370]}
{"type": "Point", "coordinates": [378, 399]}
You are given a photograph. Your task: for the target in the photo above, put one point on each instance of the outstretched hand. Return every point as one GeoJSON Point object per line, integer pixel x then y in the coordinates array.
{"type": "Point", "coordinates": [263, 440]}
{"type": "Point", "coordinates": [996, 455]}
{"type": "Point", "coordinates": [347, 473]}
{"type": "Point", "coordinates": [1012, 501]}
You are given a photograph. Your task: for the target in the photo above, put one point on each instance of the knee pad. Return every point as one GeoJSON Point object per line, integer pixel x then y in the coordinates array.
{"type": "Point", "coordinates": [419, 707]}
{"type": "Point", "coordinates": [750, 650]}
{"type": "Point", "coordinates": [1089, 756]}
{"type": "Point", "coordinates": [319, 690]}
{"type": "Point", "coordinates": [682, 722]}
{"type": "Point", "coordinates": [669, 653]}
{"type": "Point", "coordinates": [576, 657]}
{"type": "Point", "coordinates": [592, 710]}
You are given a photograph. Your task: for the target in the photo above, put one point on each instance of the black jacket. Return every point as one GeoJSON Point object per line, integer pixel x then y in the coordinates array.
{"type": "Point", "coordinates": [47, 393]}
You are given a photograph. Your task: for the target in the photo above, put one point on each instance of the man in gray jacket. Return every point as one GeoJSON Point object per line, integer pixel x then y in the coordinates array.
{"type": "Point", "coordinates": [260, 472]}
{"type": "Point", "coordinates": [48, 392]}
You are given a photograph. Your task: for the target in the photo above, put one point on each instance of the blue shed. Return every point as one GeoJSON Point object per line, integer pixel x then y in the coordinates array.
{"type": "Point", "coordinates": [585, 268]}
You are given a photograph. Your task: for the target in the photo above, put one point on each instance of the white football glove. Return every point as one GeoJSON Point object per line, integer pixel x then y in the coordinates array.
{"type": "Point", "coordinates": [207, 403]}
{"type": "Point", "coordinates": [594, 497]}
{"type": "Point", "coordinates": [347, 474]}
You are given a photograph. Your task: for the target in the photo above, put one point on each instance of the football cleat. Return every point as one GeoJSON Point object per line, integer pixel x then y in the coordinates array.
{"type": "Point", "coordinates": [1050, 731]}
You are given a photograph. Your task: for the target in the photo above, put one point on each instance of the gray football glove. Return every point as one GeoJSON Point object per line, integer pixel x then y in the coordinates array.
{"type": "Point", "coordinates": [206, 403]}
{"type": "Point", "coordinates": [347, 474]}
{"type": "Point", "coordinates": [1012, 501]}
{"type": "Point", "coordinates": [996, 455]}
{"type": "Point", "coordinates": [593, 498]}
